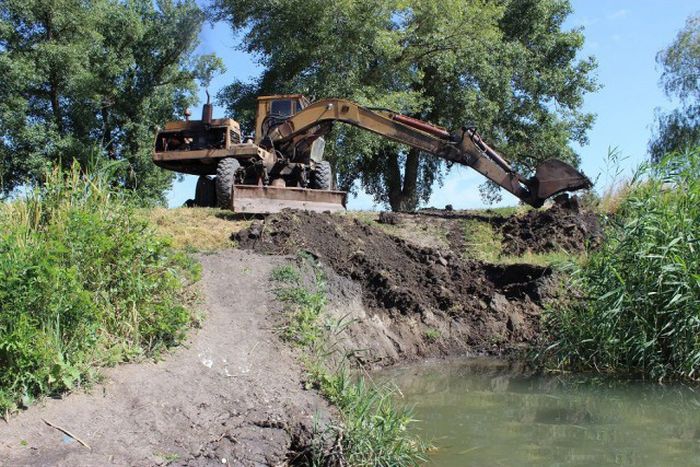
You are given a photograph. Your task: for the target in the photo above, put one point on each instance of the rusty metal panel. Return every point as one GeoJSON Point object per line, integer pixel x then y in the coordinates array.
{"type": "Point", "coordinates": [197, 125]}
{"type": "Point", "coordinates": [268, 199]}
{"type": "Point", "coordinates": [236, 150]}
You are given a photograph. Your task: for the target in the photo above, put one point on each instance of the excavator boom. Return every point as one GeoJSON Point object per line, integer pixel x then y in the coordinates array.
{"type": "Point", "coordinates": [466, 147]}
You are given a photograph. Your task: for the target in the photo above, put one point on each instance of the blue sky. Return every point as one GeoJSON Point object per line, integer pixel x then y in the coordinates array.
{"type": "Point", "coordinates": [624, 36]}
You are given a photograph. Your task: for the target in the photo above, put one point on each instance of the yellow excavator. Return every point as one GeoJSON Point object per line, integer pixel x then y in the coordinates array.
{"type": "Point", "coordinates": [282, 165]}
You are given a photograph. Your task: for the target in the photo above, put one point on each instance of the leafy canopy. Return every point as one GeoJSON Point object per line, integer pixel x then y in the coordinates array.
{"type": "Point", "coordinates": [93, 77]}
{"type": "Point", "coordinates": [679, 130]}
{"type": "Point", "coordinates": [505, 65]}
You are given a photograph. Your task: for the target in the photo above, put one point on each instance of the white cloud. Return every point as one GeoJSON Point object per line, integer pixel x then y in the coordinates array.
{"type": "Point", "coordinates": [619, 14]}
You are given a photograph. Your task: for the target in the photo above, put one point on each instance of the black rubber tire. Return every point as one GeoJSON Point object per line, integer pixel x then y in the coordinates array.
{"type": "Point", "coordinates": [321, 176]}
{"type": "Point", "coordinates": [205, 193]}
{"type": "Point", "coordinates": [225, 179]}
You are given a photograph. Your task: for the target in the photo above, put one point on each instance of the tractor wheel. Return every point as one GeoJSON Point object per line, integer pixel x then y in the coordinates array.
{"type": "Point", "coordinates": [321, 177]}
{"type": "Point", "coordinates": [225, 179]}
{"type": "Point", "coordinates": [205, 193]}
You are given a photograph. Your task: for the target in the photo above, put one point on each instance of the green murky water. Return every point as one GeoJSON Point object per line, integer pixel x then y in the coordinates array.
{"type": "Point", "coordinates": [487, 413]}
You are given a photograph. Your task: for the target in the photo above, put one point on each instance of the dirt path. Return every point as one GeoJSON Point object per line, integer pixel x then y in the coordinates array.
{"type": "Point", "coordinates": [233, 393]}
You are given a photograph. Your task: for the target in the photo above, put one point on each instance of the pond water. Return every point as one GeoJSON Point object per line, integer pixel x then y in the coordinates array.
{"type": "Point", "coordinates": [489, 413]}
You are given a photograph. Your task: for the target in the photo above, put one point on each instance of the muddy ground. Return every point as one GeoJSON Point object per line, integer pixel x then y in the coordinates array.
{"type": "Point", "coordinates": [232, 395]}
{"type": "Point", "coordinates": [419, 301]}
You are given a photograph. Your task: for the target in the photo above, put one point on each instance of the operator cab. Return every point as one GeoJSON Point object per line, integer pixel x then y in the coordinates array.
{"type": "Point", "coordinates": [273, 110]}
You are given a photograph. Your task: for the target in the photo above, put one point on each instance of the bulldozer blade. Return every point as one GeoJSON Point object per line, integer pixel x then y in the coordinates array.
{"type": "Point", "coordinates": [267, 199]}
{"type": "Point", "coordinates": [554, 176]}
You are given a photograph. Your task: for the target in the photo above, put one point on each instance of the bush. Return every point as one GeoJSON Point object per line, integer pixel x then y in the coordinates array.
{"type": "Point", "coordinates": [83, 282]}
{"type": "Point", "coordinates": [638, 305]}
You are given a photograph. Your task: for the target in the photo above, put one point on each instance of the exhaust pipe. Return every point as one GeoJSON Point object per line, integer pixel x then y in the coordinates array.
{"type": "Point", "coordinates": [207, 111]}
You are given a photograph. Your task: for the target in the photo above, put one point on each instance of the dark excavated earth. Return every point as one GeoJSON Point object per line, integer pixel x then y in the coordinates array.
{"type": "Point", "coordinates": [484, 306]}
{"type": "Point", "coordinates": [559, 228]}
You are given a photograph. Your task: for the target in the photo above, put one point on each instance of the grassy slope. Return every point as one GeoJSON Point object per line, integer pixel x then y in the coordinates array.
{"type": "Point", "coordinates": [84, 282]}
{"type": "Point", "coordinates": [196, 229]}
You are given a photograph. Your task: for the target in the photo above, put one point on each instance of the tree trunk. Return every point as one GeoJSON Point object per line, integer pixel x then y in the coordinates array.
{"type": "Point", "coordinates": [53, 81]}
{"type": "Point", "coordinates": [403, 194]}
{"type": "Point", "coordinates": [55, 104]}
{"type": "Point", "coordinates": [107, 142]}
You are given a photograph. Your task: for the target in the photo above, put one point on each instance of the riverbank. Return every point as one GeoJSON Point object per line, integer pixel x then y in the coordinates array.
{"type": "Point", "coordinates": [405, 300]}
{"type": "Point", "coordinates": [397, 288]}
{"type": "Point", "coordinates": [237, 392]}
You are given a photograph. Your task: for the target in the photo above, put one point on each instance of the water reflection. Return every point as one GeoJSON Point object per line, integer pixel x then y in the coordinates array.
{"type": "Point", "coordinates": [486, 412]}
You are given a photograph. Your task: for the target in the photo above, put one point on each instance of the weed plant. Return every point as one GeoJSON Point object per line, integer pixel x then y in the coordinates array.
{"type": "Point", "coordinates": [372, 429]}
{"type": "Point", "coordinates": [634, 305]}
{"type": "Point", "coordinates": [84, 282]}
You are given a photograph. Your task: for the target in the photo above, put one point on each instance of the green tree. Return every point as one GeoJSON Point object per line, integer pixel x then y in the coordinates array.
{"type": "Point", "coordinates": [679, 130]}
{"type": "Point", "coordinates": [505, 65]}
{"type": "Point", "coordinates": [92, 78]}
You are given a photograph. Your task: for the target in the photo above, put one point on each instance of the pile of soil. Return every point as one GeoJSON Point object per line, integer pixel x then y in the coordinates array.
{"type": "Point", "coordinates": [562, 227]}
{"type": "Point", "coordinates": [489, 307]}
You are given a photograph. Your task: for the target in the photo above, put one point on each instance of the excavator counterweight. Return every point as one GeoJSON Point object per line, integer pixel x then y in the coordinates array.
{"type": "Point", "coordinates": [283, 165]}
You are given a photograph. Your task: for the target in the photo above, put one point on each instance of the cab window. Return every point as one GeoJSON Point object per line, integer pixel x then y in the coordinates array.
{"type": "Point", "coordinates": [281, 108]}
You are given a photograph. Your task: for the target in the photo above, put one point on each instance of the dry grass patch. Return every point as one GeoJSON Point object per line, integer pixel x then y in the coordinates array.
{"type": "Point", "coordinates": [412, 228]}
{"type": "Point", "coordinates": [481, 240]}
{"type": "Point", "coordinates": [197, 229]}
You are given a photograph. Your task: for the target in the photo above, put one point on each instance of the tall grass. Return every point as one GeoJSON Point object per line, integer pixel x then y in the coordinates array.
{"type": "Point", "coordinates": [371, 429]}
{"type": "Point", "coordinates": [84, 282]}
{"type": "Point", "coordinates": [634, 305]}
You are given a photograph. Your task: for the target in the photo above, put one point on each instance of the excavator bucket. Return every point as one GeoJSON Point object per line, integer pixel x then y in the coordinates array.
{"type": "Point", "coordinates": [269, 199]}
{"type": "Point", "coordinates": [554, 176]}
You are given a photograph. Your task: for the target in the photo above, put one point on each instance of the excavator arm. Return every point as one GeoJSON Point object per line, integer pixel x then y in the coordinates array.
{"type": "Point", "coordinates": [465, 147]}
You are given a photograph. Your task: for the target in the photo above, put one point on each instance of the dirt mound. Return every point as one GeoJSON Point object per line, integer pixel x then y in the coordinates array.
{"type": "Point", "coordinates": [488, 307]}
{"type": "Point", "coordinates": [561, 227]}
{"type": "Point", "coordinates": [390, 218]}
